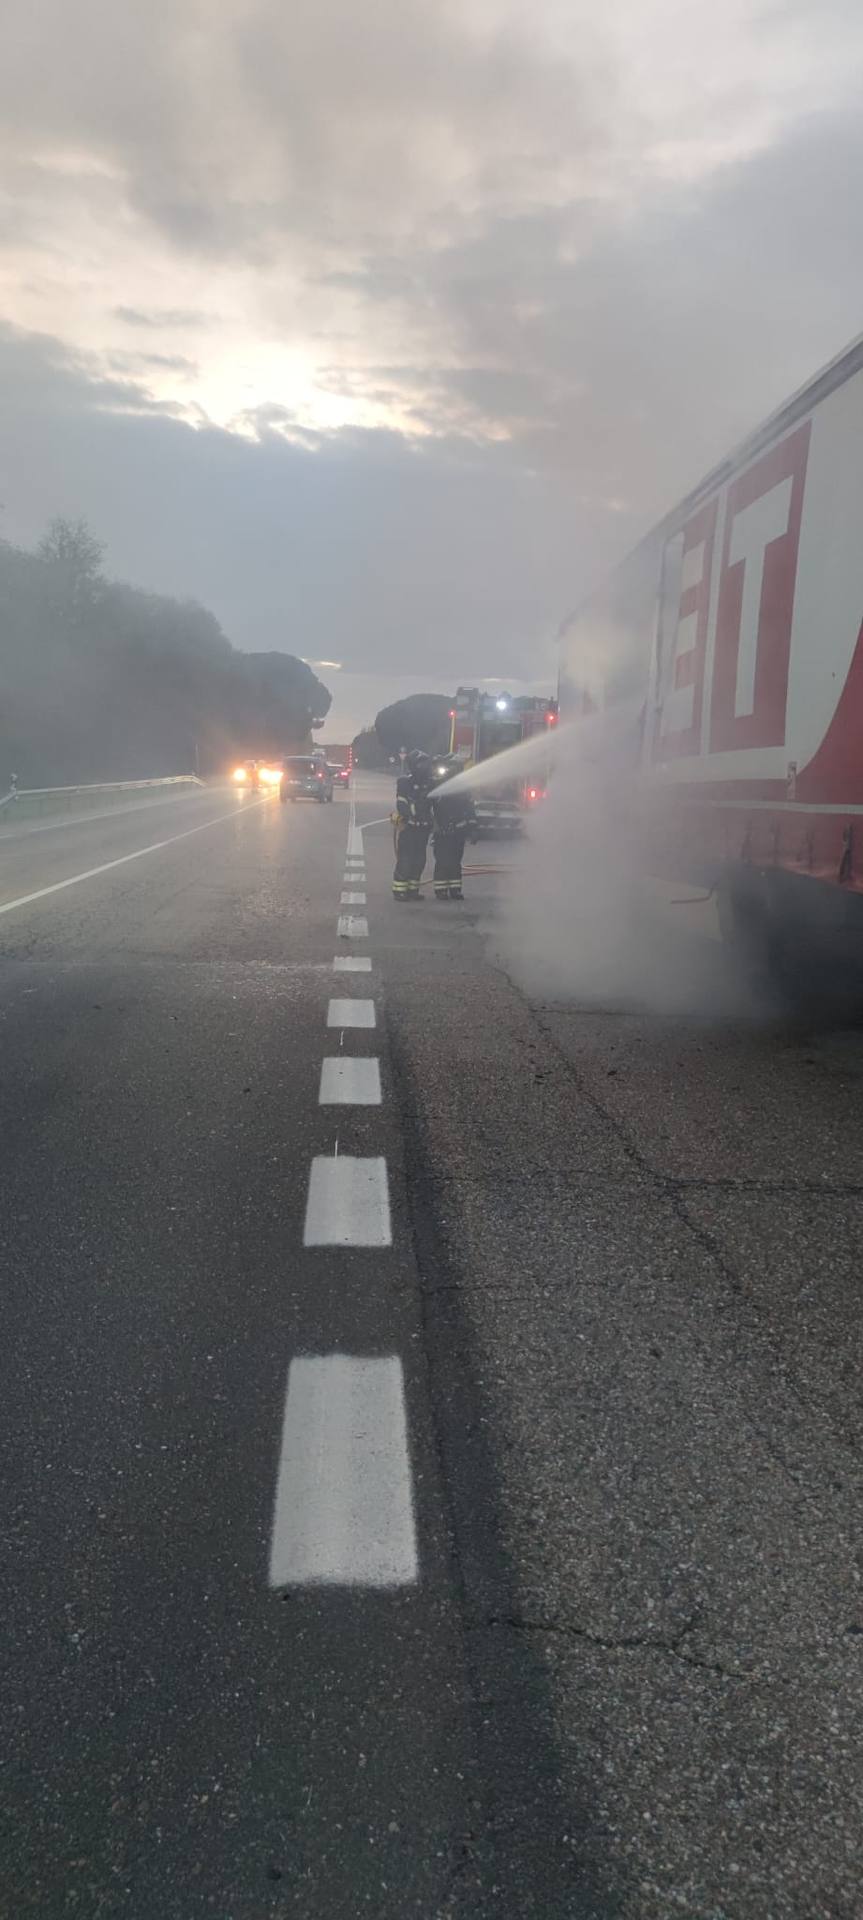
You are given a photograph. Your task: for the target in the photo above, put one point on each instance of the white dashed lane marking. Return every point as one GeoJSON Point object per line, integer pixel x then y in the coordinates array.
{"type": "Point", "coordinates": [351, 1013]}
{"type": "Point", "coordinates": [344, 1506]}
{"type": "Point", "coordinates": [344, 1510]}
{"type": "Point", "coordinates": [346, 1082]}
{"type": "Point", "coordinates": [348, 1203]}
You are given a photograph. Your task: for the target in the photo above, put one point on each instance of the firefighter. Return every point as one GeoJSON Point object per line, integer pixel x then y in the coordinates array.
{"type": "Point", "coordinates": [454, 820]}
{"type": "Point", "coordinates": [412, 821]}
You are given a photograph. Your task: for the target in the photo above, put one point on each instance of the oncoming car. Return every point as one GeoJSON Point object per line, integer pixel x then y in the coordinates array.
{"type": "Point", "coordinates": [253, 775]}
{"type": "Point", "coordinates": [305, 778]}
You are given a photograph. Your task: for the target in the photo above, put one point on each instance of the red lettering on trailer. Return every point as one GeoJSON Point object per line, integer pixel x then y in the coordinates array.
{"type": "Point", "coordinates": [756, 599]}
{"type": "Point", "coordinates": [675, 741]}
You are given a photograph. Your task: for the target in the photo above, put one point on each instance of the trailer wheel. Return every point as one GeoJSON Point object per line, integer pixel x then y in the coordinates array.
{"type": "Point", "coordinates": [751, 931]}
{"type": "Point", "coordinates": [743, 925]}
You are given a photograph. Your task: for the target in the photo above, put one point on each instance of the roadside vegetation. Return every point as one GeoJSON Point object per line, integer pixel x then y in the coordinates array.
{"type": "Point", "coordinates": [102, 681]}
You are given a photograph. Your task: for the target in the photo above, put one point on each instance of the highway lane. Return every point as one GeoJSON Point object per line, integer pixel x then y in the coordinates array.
{"type": "Point", "coordinates": [181, 1736]}
{"type": "Point", "coordinates": [205, 839]}
{"type": "Point", "coordinates": [44, 846]}
{"type": "Point", "coordinates": [622, 1295]}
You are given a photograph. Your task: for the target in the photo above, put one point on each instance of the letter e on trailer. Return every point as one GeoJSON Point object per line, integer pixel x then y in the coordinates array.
{"type": "Point", "coordinates": [689, 561]}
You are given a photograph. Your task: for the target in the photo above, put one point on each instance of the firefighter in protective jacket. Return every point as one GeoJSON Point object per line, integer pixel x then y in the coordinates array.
{"type": "Point", "coordinates": [454, 821]}
{"type": "Point", "coordinates": [412, 822]}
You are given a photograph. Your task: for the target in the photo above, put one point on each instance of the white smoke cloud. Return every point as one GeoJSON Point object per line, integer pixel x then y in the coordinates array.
{"type": "Point", "coordinates": [583, 917]}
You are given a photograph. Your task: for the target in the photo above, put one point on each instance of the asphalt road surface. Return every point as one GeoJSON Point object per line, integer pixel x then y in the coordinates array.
{"type": "Point", "coordinates": [431, 1399]}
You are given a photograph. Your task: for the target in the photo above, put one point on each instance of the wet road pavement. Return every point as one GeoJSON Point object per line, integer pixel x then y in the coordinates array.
{"type": "Point", "coordinates": [432, 1478]}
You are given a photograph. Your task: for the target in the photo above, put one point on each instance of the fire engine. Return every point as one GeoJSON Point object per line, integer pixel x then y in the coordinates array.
{"type": "Point", "coordinates": [483, 724]}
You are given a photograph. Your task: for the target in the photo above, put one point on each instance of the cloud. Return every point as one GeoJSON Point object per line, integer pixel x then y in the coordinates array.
{"type": "Point", "coordinates": [628, 354]}
{"type": "Point", "coordinates": [237, 125]}
{"type": "Point", "coordinates": [40, 378]}
{"type": "Point", "coordinates": [140, 365]}
{"type": "Point", "coordinates": [387, 328]}
{"type": "Point", "coordinates": [240, 126]}
{"type": "Point", "coordinates": [160, 318]}
{"type": "Point", "coordinates": [361, 547]}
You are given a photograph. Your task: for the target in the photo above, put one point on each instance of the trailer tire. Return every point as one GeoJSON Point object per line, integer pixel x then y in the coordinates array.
{"type": "Point", "coordinates": [752, 931]}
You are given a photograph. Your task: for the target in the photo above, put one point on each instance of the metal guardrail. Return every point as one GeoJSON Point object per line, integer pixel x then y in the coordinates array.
{"type": "Point", "coordinates": [36, 800]}
{"type": "Point", "coordinates": [117, 786]}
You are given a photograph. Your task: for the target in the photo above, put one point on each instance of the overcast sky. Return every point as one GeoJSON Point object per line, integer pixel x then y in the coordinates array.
{"type": "Point", "coordinates": [382, 328]}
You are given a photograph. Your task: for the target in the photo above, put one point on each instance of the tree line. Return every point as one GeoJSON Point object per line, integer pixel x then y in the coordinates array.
{"type": "Point", "coordinates": [420, 720]}
{"type": "Point", "coordinates": [103, 681]}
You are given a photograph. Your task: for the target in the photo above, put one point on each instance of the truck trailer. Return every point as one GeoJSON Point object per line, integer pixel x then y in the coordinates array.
{"type": "Point", "coordinates": [725, 658]}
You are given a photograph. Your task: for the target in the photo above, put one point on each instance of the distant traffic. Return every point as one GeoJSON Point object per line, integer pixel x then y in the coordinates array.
{"type": "Point", "coordinates": [307, 776]}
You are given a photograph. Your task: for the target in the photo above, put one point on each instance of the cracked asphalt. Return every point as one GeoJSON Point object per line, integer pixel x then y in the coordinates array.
{"type": "Point", "coordinates": [625, 1282]}
{"type": "Point", "coordinates": [642, 1241]}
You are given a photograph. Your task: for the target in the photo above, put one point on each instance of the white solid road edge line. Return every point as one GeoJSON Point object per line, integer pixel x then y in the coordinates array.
{"type": "Point", "coordinates": [348, 1203]}
{"type": "Point", "coordinates": [92, 873]}
{"type": "Point", "coordinates": [344, 1508]}
{"type": "Point", "coordinates": [348, 1081]}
